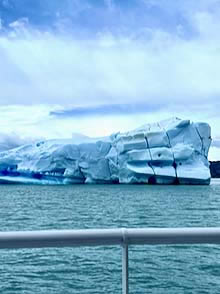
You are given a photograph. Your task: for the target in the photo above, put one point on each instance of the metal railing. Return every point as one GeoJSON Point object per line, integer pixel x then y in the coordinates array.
{"type": "Point", "coordinates": [122, 237]}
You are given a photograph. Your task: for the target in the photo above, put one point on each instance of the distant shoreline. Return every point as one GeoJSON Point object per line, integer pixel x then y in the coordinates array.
{"type": "Point", "coordinates": [215, 169]}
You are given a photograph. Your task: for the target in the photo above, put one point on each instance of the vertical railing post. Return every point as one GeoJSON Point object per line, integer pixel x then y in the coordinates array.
{"type": "Point", "coordinates": [125, 269]}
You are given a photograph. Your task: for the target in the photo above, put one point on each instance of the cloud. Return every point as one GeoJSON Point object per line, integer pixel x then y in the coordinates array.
{"type": "Point", "coordinates": [216, 143]}
{"type": "Point", "coordinates": [214, 154]}
{"type": "Point", "coordinates": [13, 140]}
{"type": "Point", "coordinates": [109, 109]}
{"type": "Point", "coordinates": [147, 63]}
{"type": "Point", "coordinates": [52, 69]}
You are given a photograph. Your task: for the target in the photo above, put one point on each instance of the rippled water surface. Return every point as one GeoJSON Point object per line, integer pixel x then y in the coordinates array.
{"type": "Point", "coordinates": [153, 269]}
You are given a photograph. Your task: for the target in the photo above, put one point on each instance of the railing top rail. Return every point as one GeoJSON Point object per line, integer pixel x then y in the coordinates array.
{"type": "Point", "coordinates": [97, 237]}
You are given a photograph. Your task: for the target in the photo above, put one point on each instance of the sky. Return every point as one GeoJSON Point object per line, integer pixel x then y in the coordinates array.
{"type": "Point", "coordinates": [100, 66]}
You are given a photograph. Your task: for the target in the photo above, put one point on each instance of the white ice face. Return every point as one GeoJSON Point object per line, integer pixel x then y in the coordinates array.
{"type": "Point", "coordinates": [169, 152]}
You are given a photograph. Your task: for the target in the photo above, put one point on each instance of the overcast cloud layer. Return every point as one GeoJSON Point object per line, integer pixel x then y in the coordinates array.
{"type": "Point", "coordinates": [71, 66]}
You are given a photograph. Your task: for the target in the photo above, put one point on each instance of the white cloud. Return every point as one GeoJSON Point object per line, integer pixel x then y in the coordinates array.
{"type": "Point", "coordinates": [12, 140]}
{"type": "Point", "coordinates": [214, 154]}
{"type": "Point", "coordinates": [48, 68]}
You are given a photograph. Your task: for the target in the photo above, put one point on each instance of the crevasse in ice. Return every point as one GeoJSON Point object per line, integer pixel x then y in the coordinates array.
{"type": "Point", "coordinates": [174, 151]}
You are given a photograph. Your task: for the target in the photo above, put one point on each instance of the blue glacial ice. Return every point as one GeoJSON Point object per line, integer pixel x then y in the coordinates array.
{"type": "Point", "coordinates": [173, 151]}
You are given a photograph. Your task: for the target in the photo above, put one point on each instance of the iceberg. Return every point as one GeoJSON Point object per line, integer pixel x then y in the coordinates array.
{"type": "Point", "coordinates": [173, 151]}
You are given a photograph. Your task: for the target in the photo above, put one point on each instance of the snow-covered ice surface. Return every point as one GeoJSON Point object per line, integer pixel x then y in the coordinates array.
{"type": "Point", "coordinates": [174, 151]}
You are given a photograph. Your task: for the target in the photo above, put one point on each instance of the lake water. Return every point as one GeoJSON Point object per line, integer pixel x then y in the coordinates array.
{"type": "Point", "coordinates": [153, 269]}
